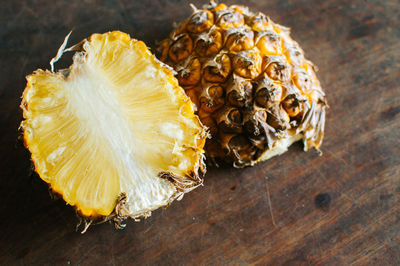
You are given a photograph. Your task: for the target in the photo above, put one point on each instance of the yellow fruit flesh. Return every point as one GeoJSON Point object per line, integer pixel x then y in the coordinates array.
{"type": "Point", "coordinates": [110, 127]}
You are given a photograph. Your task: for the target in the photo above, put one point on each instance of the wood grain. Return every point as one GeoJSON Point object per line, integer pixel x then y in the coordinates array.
{"type": "Point", "coordinates": [267, 214]}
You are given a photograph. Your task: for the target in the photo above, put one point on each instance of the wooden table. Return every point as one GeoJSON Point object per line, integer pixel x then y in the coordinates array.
{"type": "Point", "coordinates": [298, 208]}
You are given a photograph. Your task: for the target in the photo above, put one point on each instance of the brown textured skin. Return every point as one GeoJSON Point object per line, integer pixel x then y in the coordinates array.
{"type": "Point", "coordinates": [249, 79]}
{"type": "Point", "coordinates": [356, 47]}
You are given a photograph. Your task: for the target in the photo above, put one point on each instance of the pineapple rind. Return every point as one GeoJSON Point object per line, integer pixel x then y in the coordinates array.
{"type": "Point", "coordinates": [251, 83]}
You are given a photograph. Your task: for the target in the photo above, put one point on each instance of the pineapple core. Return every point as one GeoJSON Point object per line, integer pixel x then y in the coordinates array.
{"type": "Point", "coordinates": [110, 126]}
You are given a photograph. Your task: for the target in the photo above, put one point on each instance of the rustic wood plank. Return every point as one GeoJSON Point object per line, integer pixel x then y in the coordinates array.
{"type": "Point", "coordinates": [265, 214]}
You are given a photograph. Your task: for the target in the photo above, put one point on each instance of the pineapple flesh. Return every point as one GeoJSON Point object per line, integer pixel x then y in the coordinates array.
{"type": "Point", "coordinates": [250, 81]}
{"type": "Point", "coordinates": [114, 134]}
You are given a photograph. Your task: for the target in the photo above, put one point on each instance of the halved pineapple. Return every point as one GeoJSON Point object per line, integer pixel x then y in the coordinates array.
{"type": "Point", "coordinates": [250, 80]}
{"type": "Point", "coordinates": [114, 134]}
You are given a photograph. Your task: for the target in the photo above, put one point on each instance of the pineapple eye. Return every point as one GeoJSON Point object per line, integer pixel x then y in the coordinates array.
{"type": "Point", "coordinates": [230, 19]}
{"type": "Point", "coordinates": [200, 21]}
{"type": "Point", "coordinates": [189, 74]}
{"type": "Point", "coordinates": [278, 118]}
{"type": "Point", "coordinates": [218, 69]}
{"type": "Point", "coordinates": [269, 43]}
{"type": "Point", "coordinates": [235, 116]}
{"type": "Point", "coordinates": [209, 43]}
{"type": "Point", "coordinates": [259, 22]}
{"type": "Point", "coordinates": [291, 105]}
{"type": "Point", "coordinates": [248, 64]}
{"type": "Point", "coordinates": [254, 127]}
{"type": "Point", "coordinates": [268, 95]}
{"type": "Point", "coordinates": [212, 98]}
{"type": "Point", "coordinates": [230, 120]}
{"type": "Point", "coordinates": [278, 71]}
{"type": "Point", "coordinates": [294, 53]}
{"type": "Point", "coordinates": [240, 93]}
{"type": "Point", "coordinates": [302, 81]}
{"type": "Point", "coordinates": [240, 40]}
{"type": "Point", "coordinates": [242, 149]}
{"type": "Point", "coordinates": [181, 48]}
{"type": "Point", "coordinates": [215, 92]}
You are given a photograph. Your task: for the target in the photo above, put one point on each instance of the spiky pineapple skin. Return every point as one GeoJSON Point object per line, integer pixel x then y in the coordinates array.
{"type": "Point", "coordinates": [250, 82]}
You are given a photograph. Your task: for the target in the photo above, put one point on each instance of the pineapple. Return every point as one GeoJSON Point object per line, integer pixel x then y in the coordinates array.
{"type": "Point", "coordinates": [113, 134]}
{"type": "Point", "coordinates": [250, 81]}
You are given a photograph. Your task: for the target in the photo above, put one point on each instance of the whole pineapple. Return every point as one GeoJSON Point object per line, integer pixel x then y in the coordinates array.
{"type": "Point", "coordinates": [250, 81]}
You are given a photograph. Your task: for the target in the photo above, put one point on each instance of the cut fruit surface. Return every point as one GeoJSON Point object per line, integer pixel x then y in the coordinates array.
{"type": "Point", "coordinates": [114, 125]}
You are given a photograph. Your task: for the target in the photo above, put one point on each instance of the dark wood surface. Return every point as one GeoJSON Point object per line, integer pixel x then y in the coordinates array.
{"type": "Point", "coordinates": [267, 214]}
